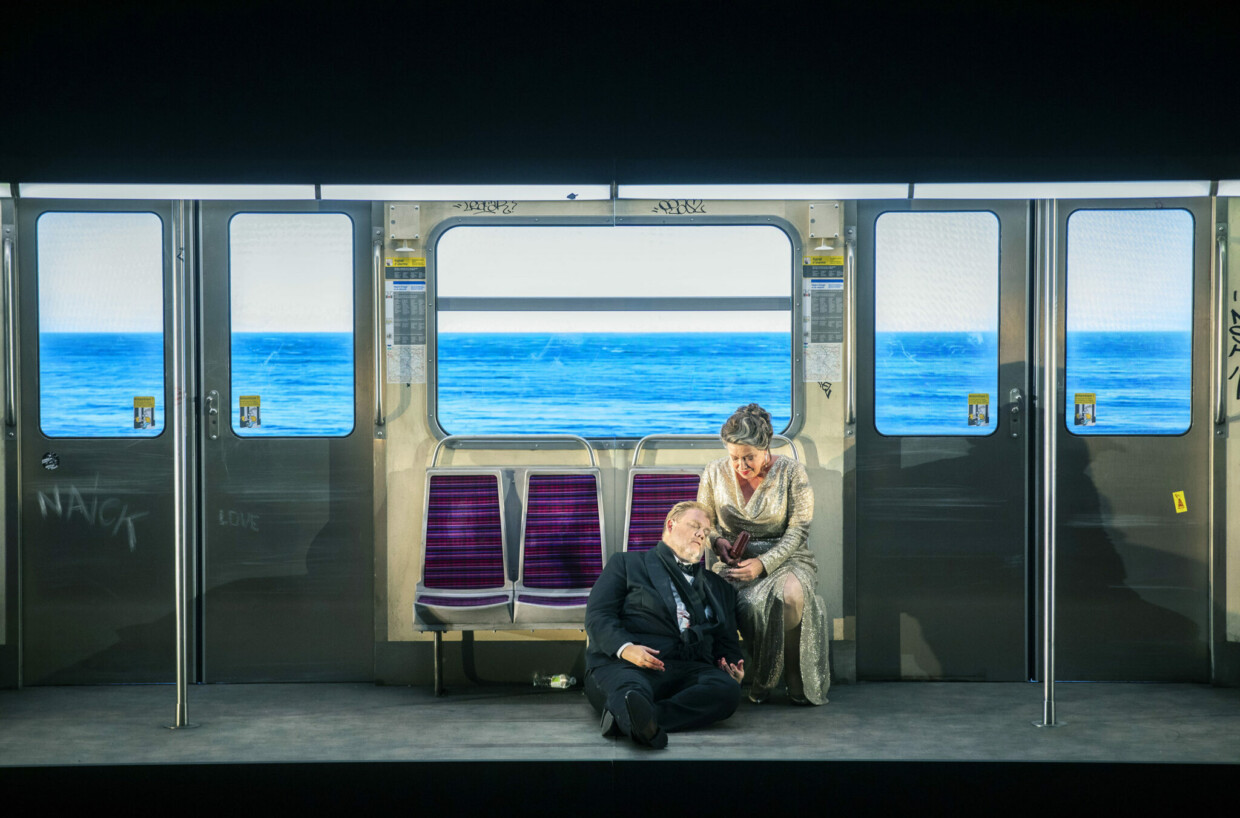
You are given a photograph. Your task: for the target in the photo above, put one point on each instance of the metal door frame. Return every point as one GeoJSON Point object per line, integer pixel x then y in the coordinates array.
{"type": "Point", "coordinates": [1015, 314]}
{"type": "Point", "coordinates": [1202, 421]}
{"type": "Point", "coordinates": [213, 219]}
{"type": "Point", "coordinates": [30, 434]}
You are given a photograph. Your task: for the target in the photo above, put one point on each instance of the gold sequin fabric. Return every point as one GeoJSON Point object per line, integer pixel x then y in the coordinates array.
{"type": "Point", "coordinates": [777, 517]}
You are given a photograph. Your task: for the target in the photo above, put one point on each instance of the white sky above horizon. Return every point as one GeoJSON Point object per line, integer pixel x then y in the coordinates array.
{"type": "Point", "coordinates": [103, 272]}
{"type": "Point", "coordinates": [602, 261]}
{"type": "Point", "coordinates": [936, 272]}
{"type": "Point", "coordinates": [1130, 271]}
{"type": "Point", "coordinates": [100, 272]}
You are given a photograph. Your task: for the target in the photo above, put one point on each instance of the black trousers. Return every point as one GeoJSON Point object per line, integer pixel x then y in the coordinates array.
{"type": "Point", "coordinates": [686, 695]}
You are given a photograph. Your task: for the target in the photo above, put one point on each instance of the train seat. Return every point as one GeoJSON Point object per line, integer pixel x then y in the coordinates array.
{"type": "Point", "coordinates": [562, 546]}
{"type": "Point", "coordinates": [464, 580]}
{"type": "Point", "coordinates": [652, 493]}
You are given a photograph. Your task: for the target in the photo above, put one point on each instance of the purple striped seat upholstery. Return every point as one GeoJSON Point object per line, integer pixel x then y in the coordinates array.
{"type": "Point", "coordinates": [463, 567]}
{"type": "Point", "coordinates": [651, 496]}
{"type": "Point", "coordinates": [562, 547]}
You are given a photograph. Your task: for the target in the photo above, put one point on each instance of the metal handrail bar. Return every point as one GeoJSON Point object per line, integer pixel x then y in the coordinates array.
{"type": "Point", "coordinates": [534, 439]}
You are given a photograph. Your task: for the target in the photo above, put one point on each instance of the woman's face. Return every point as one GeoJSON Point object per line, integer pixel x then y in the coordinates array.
{"type": "Point", "coordinates": [747, 460]}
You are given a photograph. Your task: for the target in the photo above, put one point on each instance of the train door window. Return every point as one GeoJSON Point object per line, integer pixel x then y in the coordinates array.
{"type": "Point", "coordinates": [611, 331]}
{"type": "Point", "coordinates": [936, 319]}
{"type": "Point", "coordinates": [291, 291]}
{"type": "Point", "coordinates": [1129, 322]}
{"type": "Point", "coordinates": [101, 324]}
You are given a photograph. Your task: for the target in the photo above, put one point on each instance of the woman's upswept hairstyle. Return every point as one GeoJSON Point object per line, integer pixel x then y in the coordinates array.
{"type": "Point", "coordinates": [749, 426]}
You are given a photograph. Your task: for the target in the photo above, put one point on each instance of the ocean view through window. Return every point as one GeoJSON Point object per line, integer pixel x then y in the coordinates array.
{"type": "Point", "coordinates": [101, 324]}
{"type": "Point", "coordinates": [291, 294]}
{"type": "Point", "coordinates": [1129, 322]}
{"type": "Point", "coordinates": [611, 331]}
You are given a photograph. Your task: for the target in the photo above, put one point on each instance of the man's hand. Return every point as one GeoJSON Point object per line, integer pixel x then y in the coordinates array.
{"type": "Point", "coordinates": [746, 570]}
{"type": "Point", "coordinates": [736, 671]}
{"type": "Point", "coordinates": [642, 656]}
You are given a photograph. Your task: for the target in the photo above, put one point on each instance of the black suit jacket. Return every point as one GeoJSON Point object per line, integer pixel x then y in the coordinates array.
{"type": "Point", "coordinates": [632, 602]}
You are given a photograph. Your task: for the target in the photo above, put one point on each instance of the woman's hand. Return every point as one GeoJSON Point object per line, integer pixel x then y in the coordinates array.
{"type": "Point", "coordinates": [736, 671]}
{"type": "Point", "coordinates": [746, 570]}
{"type": "Point", "coordinates": [723, 550]}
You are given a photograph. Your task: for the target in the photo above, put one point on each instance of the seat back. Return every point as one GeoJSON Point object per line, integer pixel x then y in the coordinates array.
{"type": "Point", "coordinates": [561, 530]}
{"type": "Point", "coordinates": [464, 531]}
{"type": "Point", "coordinates": [652, 493]}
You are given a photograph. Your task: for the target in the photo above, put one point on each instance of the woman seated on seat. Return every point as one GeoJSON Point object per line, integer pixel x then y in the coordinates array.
{"type": "Point", "coordinates": [766, 499]}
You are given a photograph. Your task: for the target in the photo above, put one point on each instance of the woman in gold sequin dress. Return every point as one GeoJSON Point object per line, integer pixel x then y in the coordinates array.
{"type": "Point", "coordinates": [781, 616]}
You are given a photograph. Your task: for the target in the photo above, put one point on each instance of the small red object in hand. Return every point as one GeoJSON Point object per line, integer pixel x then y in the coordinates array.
{"type": "Point", "coordinates": [738, 547]}
{"type": "Point", "coordinates": [722, 549]}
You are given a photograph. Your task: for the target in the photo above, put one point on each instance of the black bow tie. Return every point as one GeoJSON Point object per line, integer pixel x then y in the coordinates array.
{"type": "Point", "coordinates": [689, 569]}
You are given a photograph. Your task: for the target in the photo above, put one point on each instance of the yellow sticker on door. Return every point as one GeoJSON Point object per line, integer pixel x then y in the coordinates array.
{"type": "Point", "coordinates": [1180, 505]}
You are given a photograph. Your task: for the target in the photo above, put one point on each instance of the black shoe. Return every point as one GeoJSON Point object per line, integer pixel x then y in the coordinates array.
{"type": "Point", "coordinates": [607, 726]}
{"type": "Point", "coordinates": [643, 728]}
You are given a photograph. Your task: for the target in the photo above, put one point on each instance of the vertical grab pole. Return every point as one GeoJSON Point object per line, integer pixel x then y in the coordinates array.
{"type": "Point", "coordinates": [850, 326]}
{"type": "Point", "coordinates": [1220, 320]}
{"type": "Point", "coordinates": [1050, 413]}
{"type": "Point", "coordinates": [376, 262]}
{"type": "Point", "coordinates": [10, 329]}
{"type": "Point", "coordinates": [180, 473]}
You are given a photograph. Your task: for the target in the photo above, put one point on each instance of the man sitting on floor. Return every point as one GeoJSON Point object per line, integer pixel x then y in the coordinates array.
{"type": "Point", "coordinates": [663, 652]}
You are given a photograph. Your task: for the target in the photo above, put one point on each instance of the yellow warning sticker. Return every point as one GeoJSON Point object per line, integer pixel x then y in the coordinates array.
{"type": "Point", "coordinates": [979, 409]}
{"type": "Point", "coordinates": [1180, 505]}
{"type": "Point", "coordinates": [144, 412]}
{"type": "Point", "coordinates": [407, 261]}
{"type": "Point", "coordinates": [250, 416]}
{"type": "Point", "coordinates": [831, 261]}
{"type": "Point", "coordinates": [1086, 411]}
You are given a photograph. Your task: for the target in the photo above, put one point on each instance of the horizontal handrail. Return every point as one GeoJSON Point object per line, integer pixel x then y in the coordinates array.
{"type": "Point", "coordinates": [533, 439]}
{"type": "Point", "coordinates": [701, 438]}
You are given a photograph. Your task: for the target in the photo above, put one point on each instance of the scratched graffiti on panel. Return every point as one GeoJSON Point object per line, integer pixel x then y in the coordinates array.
{"type": "Point", "coordinates": [106, 513]}
{"type": "Point", "coordinates": [238, 519]}
{"type": "Point", "coordinates": [505, 208]}
{"type": "Point", "coordinates": [1234, 331]}
{"type": "Point", "coordinates": [679, 207]}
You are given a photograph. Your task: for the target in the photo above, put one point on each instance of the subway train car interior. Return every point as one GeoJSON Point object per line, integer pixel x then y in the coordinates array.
{"type": "Point", "coordinates": [308, 473]}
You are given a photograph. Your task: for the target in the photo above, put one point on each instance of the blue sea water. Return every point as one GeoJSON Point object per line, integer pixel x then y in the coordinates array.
{"type": "Point", "coordinates": [1142, 381]}
{"type": "Point", "coordinates": [87, 382]}
{"type": "Point", "coordinates": [304, 382]}
{"type": "Point", "coordinates": [923, 381]}
{"type": "Point", "coordinates": [609, 384]}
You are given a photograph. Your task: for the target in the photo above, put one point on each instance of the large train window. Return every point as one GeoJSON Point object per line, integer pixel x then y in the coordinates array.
{"type": "Point", "coordinates": [291, 292]}
{"type": "Point", "coordinates": [101, 324]}
{"type": "Point", "coordinates": [611, 331]}
{"type": "Point", "coordinates": [936, 323]}
{"type": "Point", "coordinates": [1129, 322]}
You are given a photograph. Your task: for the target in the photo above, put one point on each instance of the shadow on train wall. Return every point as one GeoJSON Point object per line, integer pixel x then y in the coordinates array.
{"type": "Point", "coordinates": [1126, 600]}
{"type": "Point", "coordinates": [1120, 603]}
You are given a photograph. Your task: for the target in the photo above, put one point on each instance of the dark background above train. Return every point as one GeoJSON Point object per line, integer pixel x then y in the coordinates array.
{"type": "Point", "coordinates": [636, 91]}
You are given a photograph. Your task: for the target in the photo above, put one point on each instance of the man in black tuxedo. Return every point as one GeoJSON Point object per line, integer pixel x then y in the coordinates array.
{"type": "Point", "coordinates": [663, 652]}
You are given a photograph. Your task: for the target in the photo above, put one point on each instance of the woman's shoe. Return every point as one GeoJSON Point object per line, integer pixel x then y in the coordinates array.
{"type": "Point", "coordinates": [758, 695]}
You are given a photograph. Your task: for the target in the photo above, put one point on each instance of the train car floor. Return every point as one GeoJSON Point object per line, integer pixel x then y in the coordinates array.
{"type": "Point", "coordinates": [473, 732]}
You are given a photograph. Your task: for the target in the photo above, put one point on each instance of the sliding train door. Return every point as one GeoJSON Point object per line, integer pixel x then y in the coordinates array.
{"type": "Point", "coordinates": [943, 450]}
{"type": "Point", "coordinates": [1134, 432]}
{"type": "Point", "coordinates": [287, 442]}
{"type": "Point", "coordinates": [95, 444]}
